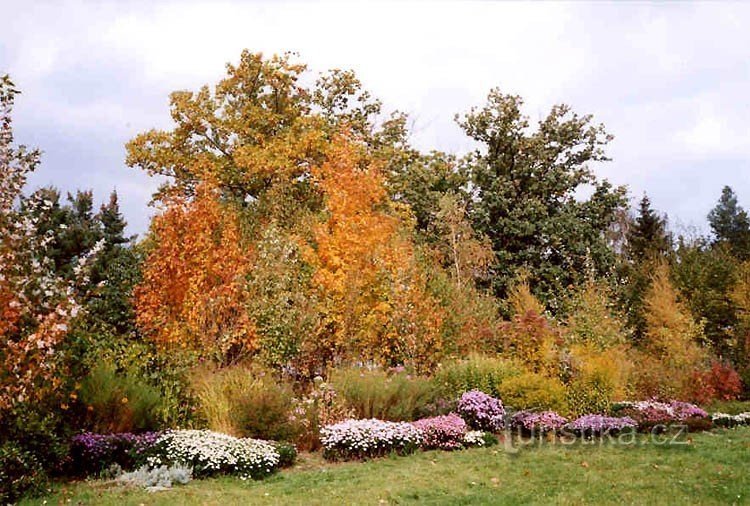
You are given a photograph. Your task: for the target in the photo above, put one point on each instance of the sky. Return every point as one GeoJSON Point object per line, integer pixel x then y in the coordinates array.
{"type": "Point", "coordinates": [669, 80]}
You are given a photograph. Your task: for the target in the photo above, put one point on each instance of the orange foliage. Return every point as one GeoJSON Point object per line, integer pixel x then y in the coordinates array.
{"type": "Point", "coordinates": [376, 303]}
{"type": "Point", "coordinates": [193, 294]}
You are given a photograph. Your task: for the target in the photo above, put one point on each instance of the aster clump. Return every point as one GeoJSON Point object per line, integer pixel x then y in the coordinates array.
{"type": "Point", "coordinates": [211, 453]}
{"type": "Point", "coordinates": [94, 453]}
{"type": "Point", "coordinates": [360, 439]}
{"type": "Point", "coordinates": [445, 432]}
{"type": "Point", "coordinates": [531, 422]}
{"type": "Point", "coordinates": [482, 411]}
{"type": "Point", "coordinates": [600, 425]}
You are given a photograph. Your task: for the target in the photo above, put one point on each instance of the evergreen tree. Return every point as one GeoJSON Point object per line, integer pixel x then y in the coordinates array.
{"type": "Point", "coordinates": [647, 236]}
{"type": "Point", "coordinates": [731, 224]}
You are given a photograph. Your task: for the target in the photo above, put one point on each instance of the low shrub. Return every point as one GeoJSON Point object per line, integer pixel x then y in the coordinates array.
{"type": "Point", "coordinates": [534, 391]}
{"type": "Point", "coordinates": [158, 477]}
{"type": "Point", "coordinates": [481, 411]}
{"type": "Point", "coordinates": [211, 453]}
{"type": "Point", "coordinates": [600, 425]}
{"type": "Point", "coordinates": [118, 402]}
{"type": "Point", "coordinates": [321, 406]}
{"type": "Point", "coordinates": [245, 402]}
{"type": "Point", "coordinates": [533, 423]}
{"type": "Point", "coordinates": [446, 432]}
{"type": "Point", "coordinates": [477, 372]}
{"type": "Point", "coordinates": [726, 420]}
{"type": "Point", "coordinates": [21, 474]}
{"type": "Point", "coordinates": [94, 453]}
{"type": "Point", "coordinates": [393, 396]}
{"type": "Point", "coordinates": [654, 415]}
{"type": "Point", "coordinates": [361, 439]}
{"type": "Point", "coordinates": [720, 382]}
{"type": "Point", "coordinates": [287, 453]}
{"type": "Point", "coordinates": [479, 438]}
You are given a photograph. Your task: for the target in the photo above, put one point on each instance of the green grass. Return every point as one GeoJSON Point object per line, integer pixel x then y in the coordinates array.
{"type": "Point", "coordinates": [708, 468]}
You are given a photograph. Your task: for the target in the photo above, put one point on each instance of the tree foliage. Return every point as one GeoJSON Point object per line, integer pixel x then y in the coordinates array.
{"type": "Point", "coordinates": [526, 193]}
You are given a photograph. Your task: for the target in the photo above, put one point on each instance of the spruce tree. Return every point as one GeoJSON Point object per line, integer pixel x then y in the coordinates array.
{"type": "Point", "coordinates": [731, 224]}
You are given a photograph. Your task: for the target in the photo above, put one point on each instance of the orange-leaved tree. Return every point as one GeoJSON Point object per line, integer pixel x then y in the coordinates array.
{"type": "Point", "coordinates": [376, 303]}
{"type": "Point", "coordinates": [193, 294]}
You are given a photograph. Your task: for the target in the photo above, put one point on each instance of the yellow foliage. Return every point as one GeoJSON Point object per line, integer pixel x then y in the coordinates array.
{"type": "Point", "coordinates": [375, 293]}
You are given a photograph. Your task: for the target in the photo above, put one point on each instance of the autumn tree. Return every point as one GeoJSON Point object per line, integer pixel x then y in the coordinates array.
{"type": "Point", "coordinates": [193, 295]}
{"type": "Point", "coordinates": [36, 304]}
{"type": "Point", "coordinates": [647, 241]}
{"type": "Point", "coordinates": [672, 341]}
{"type": "Point", "coordinates": [375, 301]}
{"type": "Point", "coordinates": [526, 193]}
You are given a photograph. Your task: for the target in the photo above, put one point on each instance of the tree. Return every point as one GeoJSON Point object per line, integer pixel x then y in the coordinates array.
{"type": "Point", "coordinates": [526, 193]}
{"type": "Point", "coordinates": [731, 224]}
{"type": "Point", "coordinates": [647, 242]}
{"type": "Point", "coordinates": [705, 275]}
{"type": "Point", "coordinates": [648, 236]}
{"type": "Point", "coordinates": [672, 341]}
{"type": "Point", "coordinates": [193, 294]}
{"type": "Point", "coordinates": [375, 295]}
{"type": "Point", "coordinates": [37, 305]}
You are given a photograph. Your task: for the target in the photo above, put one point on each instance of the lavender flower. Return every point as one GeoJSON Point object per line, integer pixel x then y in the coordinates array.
{"type": "Point", "coordinates": [481, 411]}
{"type": "Point", "coordinates": [599, 425]}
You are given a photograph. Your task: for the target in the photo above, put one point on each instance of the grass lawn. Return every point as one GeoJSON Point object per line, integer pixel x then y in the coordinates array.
{"type": "Point", "coordinates": [708, 468]}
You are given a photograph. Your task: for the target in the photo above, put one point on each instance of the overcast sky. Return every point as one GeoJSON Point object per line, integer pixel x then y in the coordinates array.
{"type": "Point", "coordinates": [669, 80]}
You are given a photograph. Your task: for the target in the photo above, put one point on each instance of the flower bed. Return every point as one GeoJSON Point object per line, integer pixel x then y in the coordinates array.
{"type": "Point", "coordinates": [94, 453]}
{"type": "Point", "coordinates": [600, 425]}
{"type": "Point", "coordinates": [532, 423]}
{"type": "Point", "coordinates": [727, 420]}
{"type": "Point", "coordinates": [445, 432]}
{"type": "Point", "coordinates": [655, 415]}
{"type": "Point", "coordinates": [359, 439]}
{"type": "Point", "coordinates": [481, 411]}
{"type": "Point", "coordinates": [211, 453]}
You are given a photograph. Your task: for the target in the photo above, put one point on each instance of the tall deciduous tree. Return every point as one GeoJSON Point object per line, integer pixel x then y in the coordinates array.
{"type": "Point", "coordinates": [193, 294]}
{"type": "Point", "coordinates": [527, 196]}
{"type": "Point", "coordinates": [376, 303]}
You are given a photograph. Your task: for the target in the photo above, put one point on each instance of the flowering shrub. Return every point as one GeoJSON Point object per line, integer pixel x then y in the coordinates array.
{"type": "Point", "coordinates": [479, 438]}
{"type": "Point", "coordinates": [727, 420]}
{"type": "Point", "coordinates": [600, 425]}
{"type": "Point", "coordinates": [654, 414]}
{"type": "Point", "coordinates": [481, 411]}
{"type": "Point", "coordinates": [358, 439]}
{"type": "Point", "coordinates": [211, 453]}
{"type": "Point", "coordinates": [445, 432]}
{"type": "Point", "coordinates": [538, 423]}
{"type": "Point", "coordinates": [93, 453]}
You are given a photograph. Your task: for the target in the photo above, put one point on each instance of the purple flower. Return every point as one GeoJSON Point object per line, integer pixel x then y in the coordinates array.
{"type": "Point", "coordinates": [597, 425]}
{"type": "Point", "coordinates": [481, 411]}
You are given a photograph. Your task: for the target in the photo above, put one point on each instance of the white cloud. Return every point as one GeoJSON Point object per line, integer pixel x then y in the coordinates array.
{"type": "Point", "coordinates": [669, 80]}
